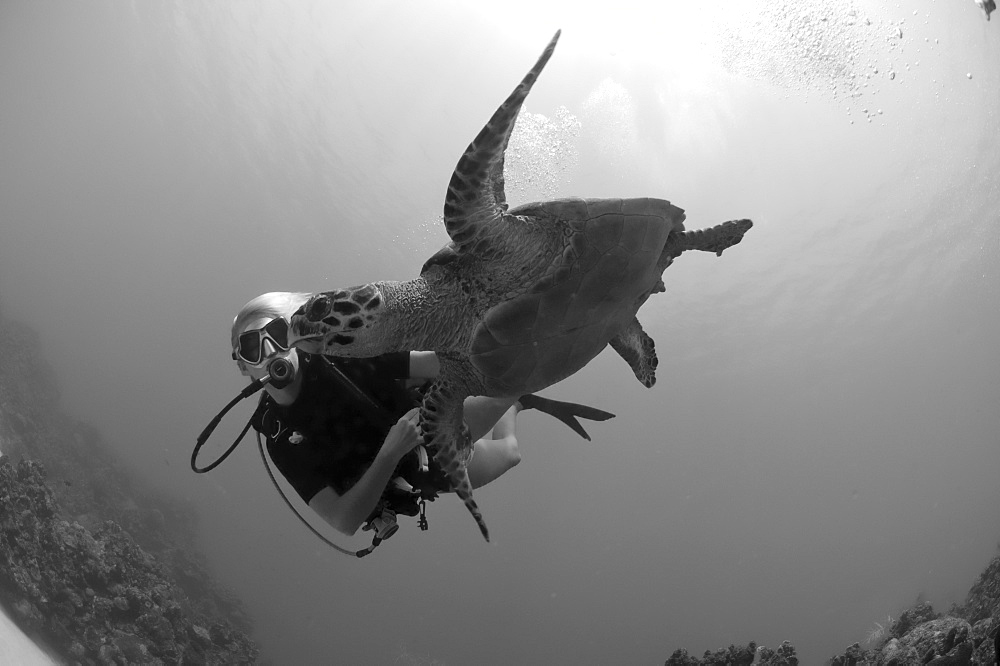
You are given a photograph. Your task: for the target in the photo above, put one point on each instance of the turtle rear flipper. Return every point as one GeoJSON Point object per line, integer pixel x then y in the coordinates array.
{"type": "Point", "coordinates": [715, 239]}
{"type": "Point", "coordinates": [638, 349]}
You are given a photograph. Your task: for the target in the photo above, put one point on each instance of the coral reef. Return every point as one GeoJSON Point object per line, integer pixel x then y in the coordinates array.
{"type": "Point", "coordinates": [91, 562]}
{"type": "Point", "coordinates": [967, 634]}
{"type": "Point", "coordinates": [97, 597]}
{"type": "Point", "coordinates": [751, 653]}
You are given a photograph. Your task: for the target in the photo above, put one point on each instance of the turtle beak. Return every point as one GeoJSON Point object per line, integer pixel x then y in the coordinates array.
{"type": "Point", "coordinates": [305, 335]}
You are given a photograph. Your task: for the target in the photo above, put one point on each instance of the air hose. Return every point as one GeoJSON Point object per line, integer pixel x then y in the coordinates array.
{"type": "Point", "coordinates": [279, 375]}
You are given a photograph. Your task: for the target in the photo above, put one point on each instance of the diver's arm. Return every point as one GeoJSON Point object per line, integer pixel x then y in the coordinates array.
{"type": "Point", "coordinates": [347, 512]}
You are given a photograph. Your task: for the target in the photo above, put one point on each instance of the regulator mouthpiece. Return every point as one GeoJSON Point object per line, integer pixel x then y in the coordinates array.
{"type": "Point", "coordinates": [281, 372]}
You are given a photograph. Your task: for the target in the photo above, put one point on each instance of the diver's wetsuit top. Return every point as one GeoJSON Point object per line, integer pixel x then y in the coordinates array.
{"type": "Point", "coordinates": [339, 442]}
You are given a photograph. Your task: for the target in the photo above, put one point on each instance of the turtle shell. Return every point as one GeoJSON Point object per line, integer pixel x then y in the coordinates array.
{"type": "Point", "coordinates": [609, 265]}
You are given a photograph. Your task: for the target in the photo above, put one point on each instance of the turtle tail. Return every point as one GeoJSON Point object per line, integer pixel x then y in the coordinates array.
{"type": "Point", "coordinates": [715, 239]}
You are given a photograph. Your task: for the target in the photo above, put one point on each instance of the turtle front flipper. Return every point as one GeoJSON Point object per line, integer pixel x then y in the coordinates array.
{"type": "Point", "coordinates": [638, 349]}
{"type": "Point", "coordinates": [449, 441]}
{"type": "Point", "coordinates": [476, 197]}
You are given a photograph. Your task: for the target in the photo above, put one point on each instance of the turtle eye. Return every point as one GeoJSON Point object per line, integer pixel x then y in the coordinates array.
{"type": "Point", "coordinates": [318, 309]}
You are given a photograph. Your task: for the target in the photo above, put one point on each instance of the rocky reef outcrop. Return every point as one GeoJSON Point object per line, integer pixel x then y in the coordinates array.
{"type": "Point", "coordinates": [92, 562]}
{"type": "Point", "coordinates": [97, 597]}
{"type": "Point", "coordinates": [743, 655]}
{"type": "Point", "coordinates": [967, 635]}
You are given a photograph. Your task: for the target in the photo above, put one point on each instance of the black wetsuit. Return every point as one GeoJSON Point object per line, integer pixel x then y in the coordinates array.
{"type": "Point", "coordinates": [336, 436]}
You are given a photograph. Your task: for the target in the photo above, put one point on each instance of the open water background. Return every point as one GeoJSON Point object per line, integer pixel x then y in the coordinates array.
{"type": "Point", "coordinates": [823, 443]}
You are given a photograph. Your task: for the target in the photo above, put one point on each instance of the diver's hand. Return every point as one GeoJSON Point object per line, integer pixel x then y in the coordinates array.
{"type": "Point", "coordinates": [403, 436]}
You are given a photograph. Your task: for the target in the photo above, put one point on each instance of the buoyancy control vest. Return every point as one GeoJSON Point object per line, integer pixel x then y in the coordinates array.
{"type": "Point", "coordinates": [339, 459]}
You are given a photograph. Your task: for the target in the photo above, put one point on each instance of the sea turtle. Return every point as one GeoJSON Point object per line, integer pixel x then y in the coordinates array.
{"type": "Point", "coordinates": [519, 299]}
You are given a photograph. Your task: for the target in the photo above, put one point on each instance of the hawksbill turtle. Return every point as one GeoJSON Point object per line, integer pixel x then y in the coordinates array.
{"type": "Point", "coordinates": [519, 299]}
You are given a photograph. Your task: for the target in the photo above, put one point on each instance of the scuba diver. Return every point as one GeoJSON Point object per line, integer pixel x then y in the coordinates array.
{"type": "Point", "coordinates": [343, 431]}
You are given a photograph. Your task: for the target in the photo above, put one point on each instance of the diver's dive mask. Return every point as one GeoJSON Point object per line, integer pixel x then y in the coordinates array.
{"type": "Point", "coordinates": [250, 345]}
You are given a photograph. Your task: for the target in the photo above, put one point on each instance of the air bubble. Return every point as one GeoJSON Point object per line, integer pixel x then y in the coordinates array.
{"type": "Point", "coordinates": [541, 154]}
{"type": "Point", "coordinates": [817, 46]}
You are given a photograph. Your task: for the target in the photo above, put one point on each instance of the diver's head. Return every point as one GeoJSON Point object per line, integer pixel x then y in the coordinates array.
{"type": "Point", "coordinates": [260, 332]}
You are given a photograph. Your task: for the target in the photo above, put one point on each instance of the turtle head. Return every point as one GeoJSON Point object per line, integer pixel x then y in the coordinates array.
{"type": "Point", "coordinates": [334, 322]}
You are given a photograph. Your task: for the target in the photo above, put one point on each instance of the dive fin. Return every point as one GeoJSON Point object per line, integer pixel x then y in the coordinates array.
{"type": "Point", "coordinates": [565, 411]}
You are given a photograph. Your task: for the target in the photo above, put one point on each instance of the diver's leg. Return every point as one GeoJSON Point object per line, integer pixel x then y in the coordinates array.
{"type": "Point", "coordinates": [481, 413]}
{"type": "Point", "coordinates": [495, 455]}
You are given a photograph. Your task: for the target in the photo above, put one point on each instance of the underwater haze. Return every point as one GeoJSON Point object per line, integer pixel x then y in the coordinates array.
{"type": "Point", "coordinates": [823, 441]}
